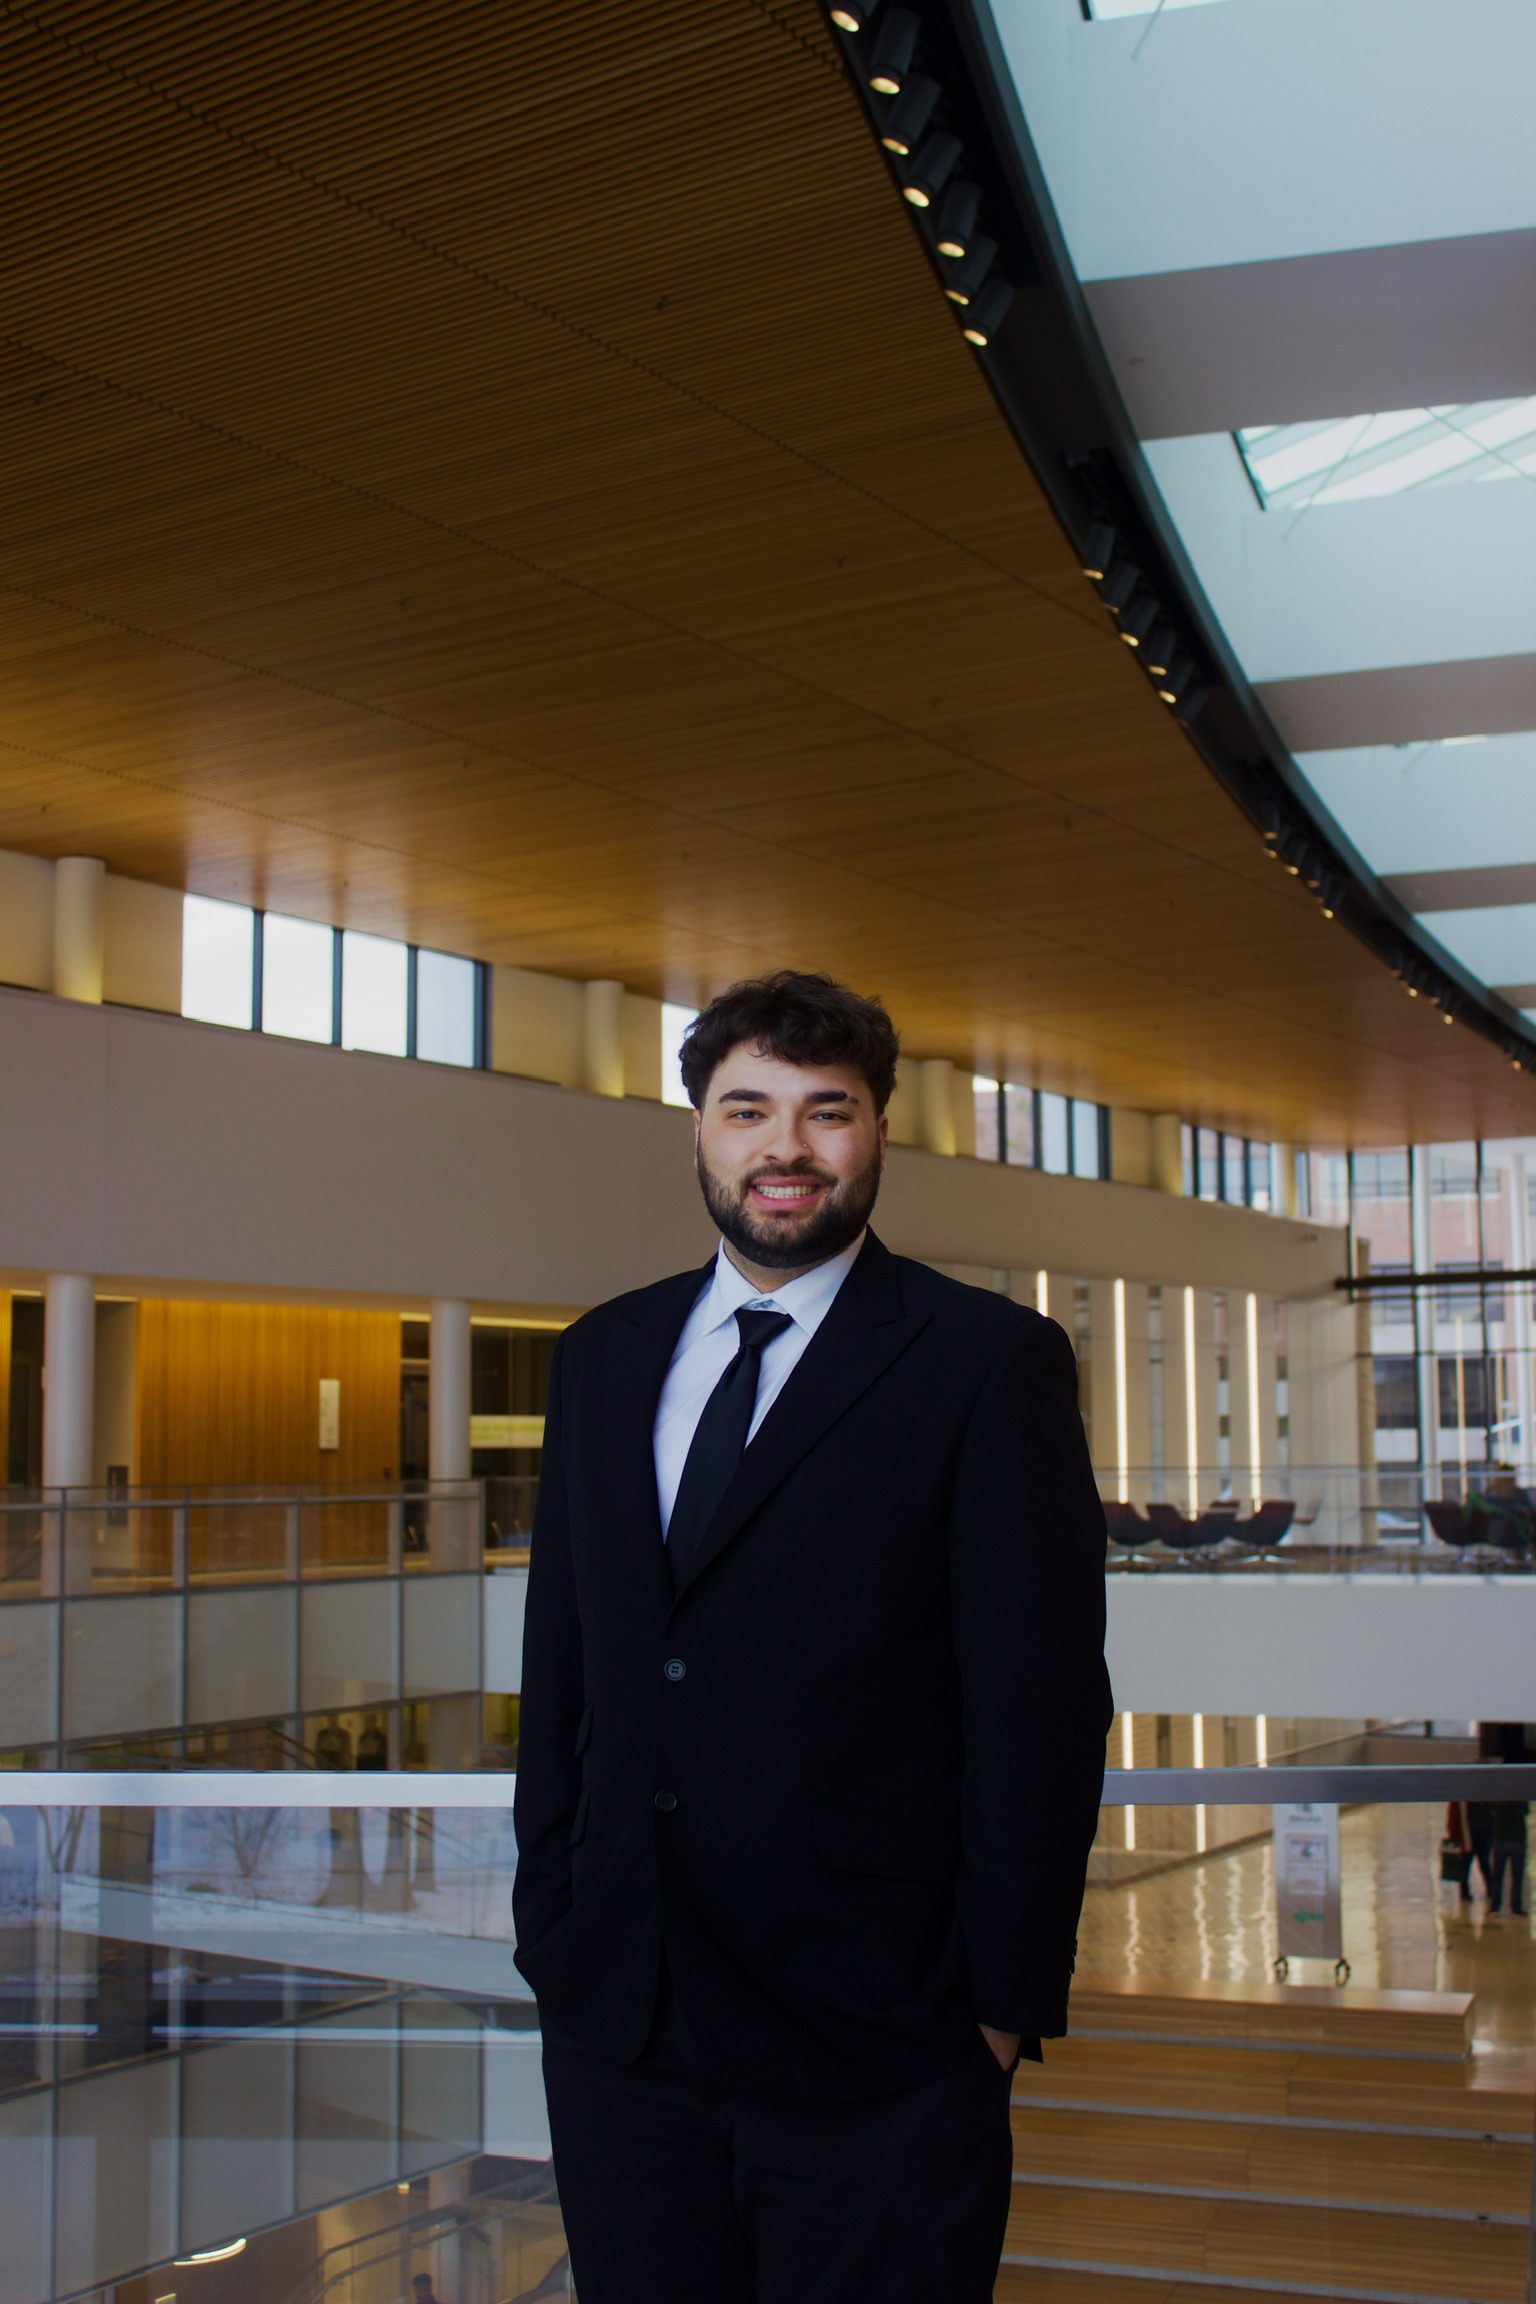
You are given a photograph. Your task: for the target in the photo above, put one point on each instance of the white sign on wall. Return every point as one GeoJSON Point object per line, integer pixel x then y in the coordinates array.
{"type": "Point", "coordinates": [330, 1411]}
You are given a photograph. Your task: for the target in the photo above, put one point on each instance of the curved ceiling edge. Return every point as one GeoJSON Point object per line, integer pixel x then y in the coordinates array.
{"type": "Point", "coordinates": [951, 132]}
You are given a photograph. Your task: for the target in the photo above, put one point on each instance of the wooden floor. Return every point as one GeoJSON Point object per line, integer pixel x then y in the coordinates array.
{"type": "Point", "coordinates": [1289, 2142]}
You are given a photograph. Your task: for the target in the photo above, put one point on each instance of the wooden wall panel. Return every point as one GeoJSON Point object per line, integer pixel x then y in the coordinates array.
{"type": "Point", "coordinates": [230, 1392]}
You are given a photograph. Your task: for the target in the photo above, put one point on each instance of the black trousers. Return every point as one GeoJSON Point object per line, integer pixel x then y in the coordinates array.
{"type": "Point", "coordinates": [675, 2192]}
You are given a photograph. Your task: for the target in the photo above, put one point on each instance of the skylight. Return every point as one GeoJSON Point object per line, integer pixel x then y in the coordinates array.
{"type": "Point", "coordinates": [1339, 461]}
{"type": "Point", "coordinates": [1102, 10]}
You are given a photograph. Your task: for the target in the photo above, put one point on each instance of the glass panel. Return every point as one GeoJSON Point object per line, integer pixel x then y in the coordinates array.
{"type": "Point", "coordinates": [988, 1118]}
{"type": "Point", "coordinates": [1055, 1146]}
{"type": "Point", "coordinates": [217, 961]}
{"type": "Point", "coordinates": [674, 1023]}
{"type": "Point", "coordinates": [240, 1654]}
{"type": "Point", "coordinates": [1261, 1177]}
{"type": "Point", "coordinates": [442, 1634]}
{"type": "Point", "coordinates": [445, 1008]}
{"type": "Point", "coordinates": [297, 978]}
{"type": "Point", "coordinates": [349, 1643]}
{"type": "Point", "coordinates": [1327, 1195]}
{"type": "Point", "coordinates": [373, 993]}
{"type": "Point", "coordinates": [1085, 1138]}
{"type": "Point", "coordinates": [1208, 1163]}
{"type": "Point", "coordinates": [1019, 1126]}
{"type": "Point", "coordinates": [121, 1666]}
{"type": "Point", "coordinates": [1234, 1171]}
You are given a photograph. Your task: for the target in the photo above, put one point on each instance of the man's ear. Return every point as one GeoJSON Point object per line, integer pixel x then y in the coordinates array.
{"type": "Point", "coordinates": [884, 1127]}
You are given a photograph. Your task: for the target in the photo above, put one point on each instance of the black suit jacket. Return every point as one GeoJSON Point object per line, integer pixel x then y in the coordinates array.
{"type": "Point", "coordinates": [849, 1774]}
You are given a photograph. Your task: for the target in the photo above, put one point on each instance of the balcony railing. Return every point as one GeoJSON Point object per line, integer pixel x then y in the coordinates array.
{"type": "Point", "coordinates": [1347, 1520]}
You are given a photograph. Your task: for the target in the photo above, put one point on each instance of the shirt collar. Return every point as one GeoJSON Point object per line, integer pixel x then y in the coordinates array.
{"type": "Point", "coordinates": [807, 1299]}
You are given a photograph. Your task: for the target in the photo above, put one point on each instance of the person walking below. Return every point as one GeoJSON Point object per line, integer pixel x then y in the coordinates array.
{"type": "Point", "coordinates": [1506, 1853]}
{"type": "Point", "coordinates": [813, 1717]}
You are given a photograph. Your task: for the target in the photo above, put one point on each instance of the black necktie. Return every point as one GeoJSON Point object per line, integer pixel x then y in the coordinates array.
{"type": "Point", "coordinates": [718, 1442]}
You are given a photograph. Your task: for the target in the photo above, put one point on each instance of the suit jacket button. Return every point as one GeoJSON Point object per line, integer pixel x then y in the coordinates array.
{"type": "Point", "coordinates": [675, 1668]}
{"type": "Point", "coordinates": [666, 1802]}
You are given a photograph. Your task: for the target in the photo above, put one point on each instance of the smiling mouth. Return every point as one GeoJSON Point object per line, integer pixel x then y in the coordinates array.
{"type": "Point", "coordinates": [787, 1194]}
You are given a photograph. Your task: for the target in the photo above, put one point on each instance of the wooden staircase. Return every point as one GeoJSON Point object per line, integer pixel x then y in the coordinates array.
{"type": "Point", "coordinates": [1220, 2145]}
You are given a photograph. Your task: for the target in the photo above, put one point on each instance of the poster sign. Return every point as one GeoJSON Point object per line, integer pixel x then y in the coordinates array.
{"type": "Point", "coordinates": [330, 1412]}
{"type": "Point", "coordinates": [1307, 1899]}
{"type": "Point", "coordinates": [506, 1431]}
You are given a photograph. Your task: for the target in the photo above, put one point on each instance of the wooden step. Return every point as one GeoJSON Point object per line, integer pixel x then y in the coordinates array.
{"type": "Point", "coordinates": [1346, 2018]}
{"type": "Point", "coordinates": [1457, 2175]}
{"type": "Point", "coordinates": [1266, 2083]}
{"type": "Point", "coordinates": [1341, 2251]}
{"type": "Point", "coordinates": [1050, 2284]}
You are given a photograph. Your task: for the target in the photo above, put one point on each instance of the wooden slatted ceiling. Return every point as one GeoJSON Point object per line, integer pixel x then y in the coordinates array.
{"type": "Point", "coordinates": [505, 477]}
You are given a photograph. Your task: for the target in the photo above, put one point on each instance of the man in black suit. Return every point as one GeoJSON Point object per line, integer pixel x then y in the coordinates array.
{"type": "Point", "coordinates": [813, 1718]}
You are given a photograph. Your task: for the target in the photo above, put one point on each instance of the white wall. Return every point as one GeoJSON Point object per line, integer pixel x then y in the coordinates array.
{"type": "Point", "coordinates": [146, 1149]}
{"type": "Point", "coordinates": [1383, 1647]}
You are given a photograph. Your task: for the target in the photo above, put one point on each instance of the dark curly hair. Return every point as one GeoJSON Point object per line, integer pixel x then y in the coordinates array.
{"type": "Point", "coordinates": [799, 1018]}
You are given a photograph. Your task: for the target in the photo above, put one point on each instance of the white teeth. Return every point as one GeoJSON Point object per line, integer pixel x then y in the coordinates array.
{"type": "Point", "coordinates": [785, 1191]}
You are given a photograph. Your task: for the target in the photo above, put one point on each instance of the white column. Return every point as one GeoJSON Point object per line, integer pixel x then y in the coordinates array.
{"type": "Point", "coordinates": [602, 1037]}
{"type": "Point", "coordinates": [936, 1105]}
{"type": "Point", "coordinates": [1166, 1153]}
{"type": "Point", "coordinates": [69, 1369]}
{"type": "Point", "coordinates": [79, 913]}
{"type": "Point", "coordinates": [448, 1391]}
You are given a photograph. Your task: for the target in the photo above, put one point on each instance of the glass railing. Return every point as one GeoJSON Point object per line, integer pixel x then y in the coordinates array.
{"type": "Point", "coordinates": [1327, 1519]}
{"type": "Point", "coordinates": [79, 1541]}
{"type": "Point", "coordinates": [277, 2020]}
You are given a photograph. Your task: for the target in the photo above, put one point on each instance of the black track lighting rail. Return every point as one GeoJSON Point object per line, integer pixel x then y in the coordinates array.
{"type": "Point", "coordinates": [939, 98]}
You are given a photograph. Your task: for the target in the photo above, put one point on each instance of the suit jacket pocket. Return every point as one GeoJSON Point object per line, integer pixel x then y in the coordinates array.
{"type": "Point", "coordinates": [579, 1827]}
{"type": "Point", "coordinates": [894, 1847]}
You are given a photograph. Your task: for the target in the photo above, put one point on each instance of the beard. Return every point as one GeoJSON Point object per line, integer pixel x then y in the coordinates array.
{"type": "Point", "coordinates": [838, 1219]}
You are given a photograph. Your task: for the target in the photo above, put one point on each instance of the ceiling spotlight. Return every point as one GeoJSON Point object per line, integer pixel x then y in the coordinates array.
{"type": "Point", "coordinates": [1099, 550]}
{"type": "Point", "coordinates": [925, 179]}
{"type": "Point", "coordinates": [853, 15]}
{"type": "Point", "coordinates": [1191, 704]}
{"type": "Point", "coordinates": [1157, 654]}
{"type": "Point", "coordinates": [1176, 679]}
{"type": "Point", "coordinates": [1120, 581]}
{"type": "Point", "coordinates": [966, 280]}
{"type": "Point", "coordinates": [987, 312]}
{"type": "Point", "coordinates": [894, 50]}
{"type": "Point", "coordinates": [908, 116]}
{"type": "Point", "coordinates": [957, 219]}
{"type": "Point", "coordinates": [1138, 616]}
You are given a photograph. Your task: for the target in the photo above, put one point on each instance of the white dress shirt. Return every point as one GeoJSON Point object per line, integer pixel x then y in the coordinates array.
{"type": "Point", "coordinates": [711, 1340]}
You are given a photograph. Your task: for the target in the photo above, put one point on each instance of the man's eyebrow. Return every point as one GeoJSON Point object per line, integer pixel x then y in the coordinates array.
{"type": "Point", "coordinates": [743, 1096]}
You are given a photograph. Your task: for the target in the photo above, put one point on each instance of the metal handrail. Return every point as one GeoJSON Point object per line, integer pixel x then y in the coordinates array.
{"type": "Point", "coordinates": [494, 1787]}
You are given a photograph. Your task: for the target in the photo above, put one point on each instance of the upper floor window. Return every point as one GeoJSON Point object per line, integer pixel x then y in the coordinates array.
{"type": "Point", "coordinates": [301, 980]}
{"type": "Point", "coordinates": [1035, 1128]}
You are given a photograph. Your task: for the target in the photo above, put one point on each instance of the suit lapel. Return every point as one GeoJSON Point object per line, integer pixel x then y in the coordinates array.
{"type": "Point", "coordinates": [866, 1329]}
{"type": "Point", "coordinates": [640, 1348]}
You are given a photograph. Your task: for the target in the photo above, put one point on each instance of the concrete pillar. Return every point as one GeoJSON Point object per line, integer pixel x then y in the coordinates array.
{"type": "Point", "coordinates": [79, 935]}
{"type": "Point", "coordinates": [1284, 1173]}
{"type": "Point", "coordinates": [602, 1037]}
{"type": "Point", "coordinates": [936, 1100]}
{"type": "Point", "coordinates": [448, 1391]}
{"type": "Point", "coordinates": [1166, 1153]}
{"type": "Point", "coordinates": [69, 1369]}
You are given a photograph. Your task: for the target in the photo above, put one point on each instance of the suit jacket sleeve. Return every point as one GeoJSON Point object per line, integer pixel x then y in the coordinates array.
{"type": "Point", "coordinates": [1027, 1580]}
{"type": "Point", "coordinates": [548, 1764]}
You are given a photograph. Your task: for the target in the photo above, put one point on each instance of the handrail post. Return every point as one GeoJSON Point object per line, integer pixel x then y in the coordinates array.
{"type": "Point", "coordinates": [181, 1515]}
{"type": "Point", "coordinates": [293, 1540]}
